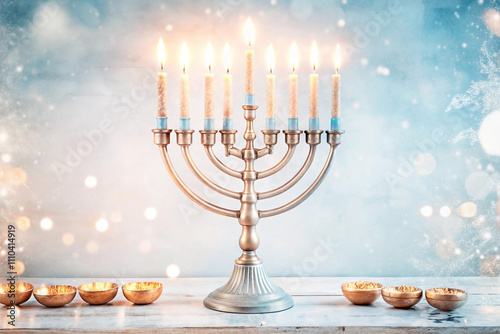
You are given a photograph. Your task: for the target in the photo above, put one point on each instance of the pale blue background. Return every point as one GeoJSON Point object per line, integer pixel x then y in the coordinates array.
{"type": "Point", "coordinates": [67, 66]}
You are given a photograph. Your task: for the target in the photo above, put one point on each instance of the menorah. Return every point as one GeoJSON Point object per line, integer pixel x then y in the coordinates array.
{"type": "Point", "coordinates": [249, 290]}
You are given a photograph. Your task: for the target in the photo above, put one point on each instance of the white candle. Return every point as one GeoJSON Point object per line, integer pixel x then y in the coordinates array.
{"type": "Point", "coordinates": [270, 85]}
{"type": "Point", "coordinates": [336, 86]}
{"type": "Point", "coordinates": [249, 60]}
{"type": "Point", "coordinates": [162, 82]}
{"type": "Point", "coordinates": [228, 86]}
{"type": "Point", "coordinates": [184, 83]}
{"type": "Point", "coordinates": [209, 84]}
{"type": "Point", "coordinates": [313, 84]}
{"type": "Point", "coordinates": [294, 83]}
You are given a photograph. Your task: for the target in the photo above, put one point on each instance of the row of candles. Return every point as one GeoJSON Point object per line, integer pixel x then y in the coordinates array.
{"type": "Point", "coordinates": [293, 123]}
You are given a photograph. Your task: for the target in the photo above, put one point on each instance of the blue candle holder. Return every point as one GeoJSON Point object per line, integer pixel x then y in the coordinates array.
{"type": "Point", "coordinates": [208, 124]}
{"type": "Point", "coordinates": [313, 123]}
{"type": "Point", "coordinates": [293, 123]}
{"type": "Point", "coordinates": [271, 123]}
{"type": "Point", "coordinates": [184, 123]}
{"type": "Point", "coordinates": [335, 124]}
{"type": "Point", "coordinates": [249, 99]}
{"type": "Point", "coordinates": [161, 123]}
{"type": "Point", "coordinates": [227, 123]}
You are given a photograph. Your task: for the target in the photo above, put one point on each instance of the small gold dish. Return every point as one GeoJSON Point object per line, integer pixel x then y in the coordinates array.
{"type": "Point", "coordinates": [446, 299]}
{"type": "Point", "coordinates": [402, 296]}
{"type": "Point", "coordinates": [22, 293]}
{"type": "Point", "coordinates": [98, 293]}
{"type": "Point", "coordinates": [55, 295]}
{"type": "Point", "coordinates": [361, 292]}
{"type": "Point", "coordinates": [141, 293]}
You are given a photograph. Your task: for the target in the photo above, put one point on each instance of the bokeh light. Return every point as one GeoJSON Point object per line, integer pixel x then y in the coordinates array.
{"type": "Point", "coordinates": [426, 211]}
{"type": "Point", "coordinates": [46, 223]}
{"type": "Point", "coordinates": [492, 20]}
{"type": "Point", "coordinates": [101, 225]}
{"type": "Point", "coordinates": [479, 185]}
{"type": "Point", "coordinates": [445, 211]}
{"type": "Point", "coordinates": [19, 267]}
{"type": "Point", "coordinates": [467, 210]}
{"type": "Point", "coordinates": [68, 239]}
{"type": "Point", "coordinates": [90, 181]}
{"type": "Point", "coordinates": [18, 176]}
{"type": "Point", "coordinates": [173, 271]}
{"type": "Point", "coordinates": [145, 246]}
{"type": "Point", "coordinates": [150, 213]}
{"type": "Point", "coordinates": [23, 223]}
{"type": "Point", "coordinates": [490, 266]}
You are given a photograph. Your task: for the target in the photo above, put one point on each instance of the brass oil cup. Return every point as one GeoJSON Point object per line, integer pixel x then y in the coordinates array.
{"type": "Point", "coordinates": [402, 296]}
{"type": "Point", "coordinates": [22, 293]}
{"type": "Point", "coordinates": [361, 292]}
{"type": "Point", "coordinates": [141, 293]}
{"type": "Point", "coordinates": [55, 295]}
{"type": "Point", "coordinates": [98, 293]}
{"type": "Point", "coordinates": [446, 299]}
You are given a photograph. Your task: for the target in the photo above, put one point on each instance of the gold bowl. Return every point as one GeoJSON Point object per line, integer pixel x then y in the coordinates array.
{"type": "Point", "coordinates": [361, 292]}
{"type": "Point", "coordinates": [142, 292]}
{"type": "Point", "coordinates": [55, 295]}
{"type": "Point", "coordinates": [446, 299]}
{"type": "Point", "coordinates": [22, 293]}
{"type": "Point", "coordinates": [98, 293]}
{"type": "Point", "coordinates": [402, 296]}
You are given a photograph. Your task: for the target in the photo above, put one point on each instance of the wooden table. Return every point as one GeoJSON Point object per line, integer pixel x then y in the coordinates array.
{"type": "Point", "coordinates": [319, 307]}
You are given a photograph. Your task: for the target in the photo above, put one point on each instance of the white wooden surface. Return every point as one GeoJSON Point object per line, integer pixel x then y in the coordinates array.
{"type": "Point", "coordinates": [319, 307]}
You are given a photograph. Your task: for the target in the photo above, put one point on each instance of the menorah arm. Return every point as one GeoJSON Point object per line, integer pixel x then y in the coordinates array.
{"type": "Point", "coordinates": [189, 160]}
{"type": "Point", "coordinates": [334, 141]}
{"type": "Point", "coordinates": [229, 171]}
{"type": "Point", "coordinates": [188, 192]}
{"type": "Point", "coordinates": [296, 178]}
{"type": "Point", "coordinates": [280, 165]}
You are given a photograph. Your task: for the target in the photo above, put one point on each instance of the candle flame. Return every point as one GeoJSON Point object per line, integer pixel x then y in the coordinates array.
{"type": "Point", "coordinates": [161, 53]}
{"type": "Point", "coordinates": [209, 54]}
{"type": "Point", "coordinates": [314, 56]}
{"type": "Point", "coordinates": [184, 57]}
{"type": "Point", "coordinates": [338, 58]}
{"type": "Point", "coordinates": [227, 57]}
{"type": "Point", "coordinates": [270, 58]}
{"type": "Point", "coordinates": [249, 32]}
{"type": "Point", "coordinates": [294, 57]}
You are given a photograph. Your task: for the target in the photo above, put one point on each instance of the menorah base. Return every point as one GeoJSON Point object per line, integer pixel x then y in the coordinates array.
{"type": "Point", "coordinates": [249, 290]}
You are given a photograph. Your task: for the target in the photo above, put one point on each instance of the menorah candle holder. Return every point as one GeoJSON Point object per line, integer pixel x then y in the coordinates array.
{"type": "Point", "coordinates": [249, 290]}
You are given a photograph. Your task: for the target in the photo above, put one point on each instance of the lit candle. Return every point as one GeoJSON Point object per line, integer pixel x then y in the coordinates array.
{"type": "Point", "coordinates": [228, 92]}
{"type": "Point", "coordinates": [293, 122]}
{"type": "Point", "coordinates": [270, 91]}
{"type": "Point", "coordinates": [209, 90]}
{"type": "Point", "coordinates": [313, 91]}
{"type": "Point", "coordinates": [336, 92]}
{"type": "Point", "coordinates": [184, 89]}
{"type": "Point", "coordinates": [161, 114]}
{"type": "Point", "coordinates": [249, 65]}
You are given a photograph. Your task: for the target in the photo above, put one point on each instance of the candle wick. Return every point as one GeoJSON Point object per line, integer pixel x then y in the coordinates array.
{"type": "Point", "coordinates": [271, 70]}
{"type": "Point", "coordinates": [161, 65]}
{"type": "Point", "coordinates": [227, 70]}
{"type": "Point", "coordinates": [337, 70]}
{"type": "Point", "coordinates": [209, 68]}
{"type": "Point", "coordinates": [184, 70]}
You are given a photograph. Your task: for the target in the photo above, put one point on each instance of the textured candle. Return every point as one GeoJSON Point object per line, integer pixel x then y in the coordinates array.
{"type": "Point", "coordinates": [270, 85]}
{"type": "Point", "coordinates": [185, 96]}
{"type": "Point", "coordinates": [209, 84]}
{"type": "Point", "coordinates": [209, 95]}
{"type": "Point", "coordinates": [294, 90]}
{"type": "Point", "coordinates": [184, 82]}
{"type": "Point", "coordinates": [249, 60]}
{"type": "Point", "coordinates": [162, 94]}
{"type": "Point", "coordinates": [313, 96]}
{"type": "Point", "coordinates": [336, 96]}
{"type": "Point", "coordinates": [227, 110]}
{"type": "Point", "coordinates": [228, 96]}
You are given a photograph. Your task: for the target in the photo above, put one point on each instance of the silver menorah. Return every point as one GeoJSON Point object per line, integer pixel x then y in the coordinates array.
{"type": "Point", "coordinates": [249, 290]}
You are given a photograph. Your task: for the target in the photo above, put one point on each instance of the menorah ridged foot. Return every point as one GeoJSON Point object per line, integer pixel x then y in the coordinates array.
{"type": "Point", "coordinates": [249, 290]}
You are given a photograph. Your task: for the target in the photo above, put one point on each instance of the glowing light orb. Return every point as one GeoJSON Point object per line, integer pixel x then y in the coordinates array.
{"type": "Point", "coordinates": [68, 239]}
{"type": "Point", "coordinates": [445, 211]}
{"type": "Point", "coordinates": [6, 158]}
{"type": "Point", "coordinates": [145, 247]}
{"type": "Point", "coordinates": [150, 213]}
{"type": "Point", "coordinates": [479, 184]}
{"type": "Point", "coordinates": [90, 182]}
{"type": "Point", "coordinates": [19, 267]}
{"type": "Point", "coordinates": [18, 176]}
{"type": "Point", "coordinates": [467, 210]}
{"type": "Point", "coordinates": [492, 20]}
{"type": "Point", "coordinates": [46, 224]}
{"type": "Point", "coordinates": [488, 134]}
{"type": "Point", "coordinates": [101, 225]}
{"type": "Point", "coordinates": [426, 211]}
{"type": "Point", "coordinates": [173, 271]}
{"type": "Point", "coordinates": [23, 223]}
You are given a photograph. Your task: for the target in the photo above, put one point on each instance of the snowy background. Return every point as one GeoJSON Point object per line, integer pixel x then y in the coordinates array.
{"type": "Point", "coordinates": [414, 189]}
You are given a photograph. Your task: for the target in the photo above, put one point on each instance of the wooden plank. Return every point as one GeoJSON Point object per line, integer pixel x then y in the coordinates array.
{"type": "Point", "coordinates": [319, 308]}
